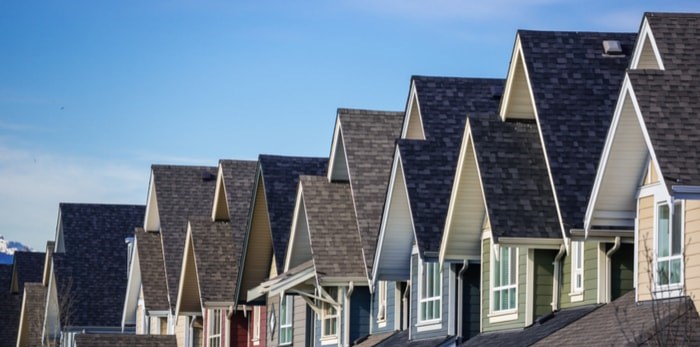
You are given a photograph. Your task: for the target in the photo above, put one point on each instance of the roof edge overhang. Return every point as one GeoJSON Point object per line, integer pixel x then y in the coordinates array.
{"type": "Point", "coordinates": [530, 242]}
{"type": "Point", "coordinates": [341, 281]}
{"type": "Point", "coordinates": [249, 227]}
{"type": "Point", "coordinates": [284, 281]}
{"type": "Point", "coordinates": [217, 304]}
{"type": "Point", "coordinates": [686, 192]}
{"type": "Point", "coordinates": [133, 288]}
{"type": "Point", "coordinates": [158, 313]}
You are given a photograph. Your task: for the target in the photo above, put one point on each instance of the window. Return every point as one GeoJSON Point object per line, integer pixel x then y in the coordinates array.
{"type": "Point", "coordinates": [256, 323]}
{"type": "Point", "coordinates": [329, 317]}
{"type": "Point", "coordinates": [577, 253]}
{"type": "Point", "coordinates": [214, 324]}
{"type": "Point", "coordinates": [430, 289]}
{"type": "Point", "coordinates": [381, 298]}
{"type": "Point", "coordinates": [669, 233]}
{"type": "Point", "coordinates": [286, 317]}
{"type": "Point", "coordinates": [504, 275]}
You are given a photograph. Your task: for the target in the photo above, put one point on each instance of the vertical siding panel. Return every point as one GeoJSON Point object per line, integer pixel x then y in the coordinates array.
{"type": "Point", "coordinates": [299, 324]}
{"type": "Point", "coordinates": [646, 246]}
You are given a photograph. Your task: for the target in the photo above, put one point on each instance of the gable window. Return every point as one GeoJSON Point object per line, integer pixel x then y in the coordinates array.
{"type": "Point", "coordinates": [214, 324]}
{"type": "Point", "coordinates": [577, 253]}
{"type": "Point", "coordinates": [669, 233]}
{"type": "Point", "coordinates": [503, 276]}
{"type": "Point", "coordinates": [430, 289]}
{"type": "Point", "coordinates": [256, 323]}
{"type": "Point", "coordinates": [329, 315]}
{"type": "Point", "coordinates": [381, 298]}
{"type": "Point", "coordinates": [286, 317]}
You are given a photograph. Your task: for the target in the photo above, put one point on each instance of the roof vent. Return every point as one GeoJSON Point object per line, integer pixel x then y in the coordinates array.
{"type": "Point", "coordinates": [208, 176]}
{"type": "Point", "coordinates": [612, 47]}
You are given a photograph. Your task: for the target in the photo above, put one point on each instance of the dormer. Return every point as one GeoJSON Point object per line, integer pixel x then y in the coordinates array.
{"type": "Point", "coordinates": [299, 248]}
{"type": "Point", "coordinates": [413, 122]}
{"type": "Point", "coordinates": [646, 53]}
{"type": "Point", "coordinates": [152, 222]}
{"type": "Point", "coordinates": [338, 164]}
{"type": "Point", "coordinates": [220, 211]}
{"type": "Point", "coordinates": [518, 101]}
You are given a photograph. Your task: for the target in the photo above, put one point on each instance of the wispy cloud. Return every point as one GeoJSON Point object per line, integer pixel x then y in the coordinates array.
{"type": "Point", "coordinates": [17, 127]}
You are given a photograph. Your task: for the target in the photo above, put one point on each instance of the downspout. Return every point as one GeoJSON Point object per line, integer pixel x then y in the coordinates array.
{"type": "Point", "coordinates": [557, 277]}
{"type": "Point", "coordinates": [460, 299]}
{"type": "Point", "coordinates": [191, 331]}
{"type": "Point", "coordinates": [346, 313]}
{"type": "Point", "coordinates": [608, 255]}
{"type": "Point", "coordinates": [404, 302]}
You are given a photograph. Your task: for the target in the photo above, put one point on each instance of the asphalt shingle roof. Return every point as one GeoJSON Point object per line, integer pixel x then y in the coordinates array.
{"type": "Point", "coordinates": [10, 312]}
{"type": "Point", "coordinates": [29, 267]}
{"type": "Point", "coordinates": [124, 340]}
{"type": "Point", "coordinates": [677, 37]}
{"type": "Point", "coordinates": [182, 192]}
{"type": "Point", "coordinates": [532, 333]}
{"type": "Point", "coordinates": [214, 259]}
{"type": "Point", "coordinates": [575, 88]}
{"type": "Point", "coordinates": [280, 177]}
{"type": "Point", "coordinates": [150, 251]}
{"type": "Point", "coordinates": [624, 322]}
{"type": "Point", "coordinates": [335, 242]}
{"type": "Point", "coordinates": [429, 166]}
{"type": "Point", "coordinates": [92, 273]}
{"type": "Point", "coordinates": [518, 193]}
{"type": "Point", "coordinates": [35, 306]}
{"type": "Point", "coordinates": [369, 138]}
{"type": "Point", "coordinates": [401, 339]}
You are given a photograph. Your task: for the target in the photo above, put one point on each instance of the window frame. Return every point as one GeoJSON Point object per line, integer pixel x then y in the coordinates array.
{"type": "Point", "coordinates": [330, 315]}
{"type": "Point", "coordinates": [256, 323]}
{"type": "Point", "coordinates": [382, 301]}
{"type": "Point", "coordinates": [286, 320]}
{"type": "Point", "coordinates": [213, 324]}
{"type": "Point", "coordinates": [578, 252]}
{"type": "Point", "coordinates": [669, 289]}
{"type": "Point", "coordinates": [514, 285]}
{"type": "Point", "coordinates": [425, 270]}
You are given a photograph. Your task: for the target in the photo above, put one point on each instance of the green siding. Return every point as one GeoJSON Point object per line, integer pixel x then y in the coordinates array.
{"type": "Point", "coordinates": [590, 277]}
{"type": "Point", "coordinates": [544, 281]}
{"type": "Point", "coordinates": [621, 271]}
{"type": "Point", "coordinates": [485, 290]}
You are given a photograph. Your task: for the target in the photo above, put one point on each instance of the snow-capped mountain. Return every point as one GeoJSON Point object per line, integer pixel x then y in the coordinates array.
{"type": "Point", "coordinates": [8, 249]}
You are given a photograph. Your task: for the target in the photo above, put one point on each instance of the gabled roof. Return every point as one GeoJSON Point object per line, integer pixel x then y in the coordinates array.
{"type": "Point", "coordinates": [152, 267]}
{"type": "Point", "coordinates": [574, 86]}
{"type": "Point", "coordinates": [124, 340]}
{"type": "Point", "coordinates": [280, 176]}
{"type": "Point", "coordinates": [333, 240]}
{"type": "Point", "coordinates": [676, 37]}
{"type": "Point", "coordinates": [11, 304]}
{"type": "Point", "coordinates": [50, 246]}
{"type": "Point", "coordinates": [33, 308]}
{"type": "Point", "coordinates": [27, 267]}
{"type": "Point", "coordinates": [181, 192]}
{"type": "Point", "coordinates": [533, 333]}
{"type": "Point", "coordinates": [92, 272]}
{"type": "Point", "coordinates": [369, 139]}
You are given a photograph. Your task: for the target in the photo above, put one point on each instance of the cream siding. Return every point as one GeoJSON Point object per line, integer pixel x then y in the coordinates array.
{"type": "Point", "coordinates": [645, 248]}
{"type": "Point", "coordinates": [139, 314]}
{"type": "Point", "coordinates": [180, 331]}
{"type": "Point", "coordinates": [299, 324]}
{"type": "Point", "coordinates": [519, 98]}
{"type": "Point", "coordinates": [259, 251]}
{"type": "Point", "coordinates": [692, 249]}
{"type": "Point", "coordinates": [647, 59]}
{"type": "Point", "coordinates": [414, 131]}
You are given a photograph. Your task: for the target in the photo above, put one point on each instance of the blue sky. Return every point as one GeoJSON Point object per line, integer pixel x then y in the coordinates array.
{"type": "Point", "coordinates": [93, 92]}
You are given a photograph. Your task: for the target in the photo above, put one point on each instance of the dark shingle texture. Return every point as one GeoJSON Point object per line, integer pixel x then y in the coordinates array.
{"type": "Point", "coordinates": [35, 305]}
{"type": "Point", "coordinates": [214, 259]}
{"type": "Point", "coordinates": [335, 241]}
{"type": "Point", "coordinates": [182, 192]}
{"type": "Point", "coordinates": [429, 166]}
{"type": "Point", "coordinates": [531, 334]}
{"type": "Point", "coordinates": [92, 273]}
{"type": "Point", "coordinates": [514, 177]}
{"type": "Point", "coordinates": [10, 312]}
{"type": "Point", "coordinates": [575, 89]}
{"type": "Point", "coordinates": [124, 340]}
{"type": "Point", "coordinates": [280, 178]}
{"type": "Point", "coordinates": [626, 323]}
{"type": "Point", "coordinates": [374, 339]}
{"type": "Point", "coordinates": [29, 267]}
{"type": "Point", "coordinates": [155, 289]}
{"type": "Point", "coordinates": [401, 339]}
{"type": "Point", "coordinates": [670, 103]}
{"type": "Point", "coordinates": [369, 138]}
{"type": "Point", "coordinates": [677, 37]}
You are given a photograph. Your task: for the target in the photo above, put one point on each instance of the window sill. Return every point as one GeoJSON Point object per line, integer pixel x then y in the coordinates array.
{"type": "Point", "coordinates": [428, 325]}
{"type": "Point", "coordinates": [329, 340]}
{"type": "Point", "coordinates": [503, 316]}
{"type": "Point", "coordinates": [668, 291]}
{"type": "Point", "coordinates": [576, 296]}
{"type": "Point", "coordinates": [381, 323]}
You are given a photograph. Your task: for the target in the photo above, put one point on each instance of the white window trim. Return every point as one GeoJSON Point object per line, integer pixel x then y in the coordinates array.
{"type": "Point", "coordinates": [382, 303]}
{"type": "Point", "coordinates": [676, 289]}
{"type": "Point", "coordinates": [578, 249]}
{"type": "Point", "coordinates": [213, 336]}
{"type": "Point", "coordinates": [437, 298]}
{"type": "Point", "coordinates": [509, 314]}
{"type": "Point", "coordinates": [286, 320]}
{"type": "Point", "coordinates": [325, 316]}
{"type": "Point", "coordinates": [256, 325]}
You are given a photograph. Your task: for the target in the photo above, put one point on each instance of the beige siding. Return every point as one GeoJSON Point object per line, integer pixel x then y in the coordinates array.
{"type": "Point", "coordinates": [692, 249]}
{"type": "Point", "coordinates": [519, 100]}
{"type": "Point", "coordinates": [259, 252]}
{"type": "Point", "coordinates": [651, 177]}
{"type": "Point", "coordinates": [273, 302]}
{"type": "Point", "coordinates": [648, 59]}
{"type": "Point", "coordinates": [163, 328]}
{"type": "Point", "coordinates": [299, 325]}
{"type": "Point", "coordinates": [645, 247]}
{"type": "Point", "coordinates": [180, 331]}
{"type": "Point", "coordinates": [414, 130]}
{"type": "Point", "coordinates": [139, 315]}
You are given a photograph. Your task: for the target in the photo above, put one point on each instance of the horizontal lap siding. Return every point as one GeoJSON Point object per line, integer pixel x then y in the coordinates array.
{"type": "Point", "coordinates": [692, 249]}
{"type": "Point", "coordinates": [360, 313]}
{"type": "Point", "coordinates": [414, 302]}
{"type": "Point", "coordinates": [299, 324]}
{"type": "Point", "coordinates": [543, 276]}
{"type": "Point", "coordinates": [590, 277]}
{"type": "Point", "coordinates": [486, 290]}
{"type": "Point", "coordinates": [390, 309]}
{"type": "Point", "coordinates": [645, 246]}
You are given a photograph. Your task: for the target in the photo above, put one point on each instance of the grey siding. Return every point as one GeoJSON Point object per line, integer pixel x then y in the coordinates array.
{"type": "Point", "coordinates": [359, 313]}
{"type": "Point", "coordinates": [390, 308]}
{"type": "Point", "coordinates": [471, 305]}
{"type": "Point", "coordinates": [443, 331]}
{"type": "Point", "coordinates": [299, 324]}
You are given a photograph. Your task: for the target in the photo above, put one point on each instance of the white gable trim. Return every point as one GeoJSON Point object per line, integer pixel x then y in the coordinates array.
{"type": "Point", "coordinates": [408, 119]}
{"type": "Point", "coordinates": [52, 322]}
{"type": "Point", "coordinates": [152, 220]}
{"type": "Point", "coordinates": [249, 228]}
{"type": "Point", "coordinates": [133, 287]}
{"type": "Point", "coordinates": [517, 62]}
{"type": "Point", "coordinates": [338, 163]}
{"type": "Point", "coordinates": [189, 251]}
{"type": "Point", "coordinates": [299, 220]}
{"type": "Point", "coordinates": [646, 35]}
{"type": "Point", "coordinates": [220, 210]}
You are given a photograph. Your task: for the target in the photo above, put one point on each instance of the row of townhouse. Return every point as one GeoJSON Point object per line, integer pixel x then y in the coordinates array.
{"type": "Point", "coordinates": [557, 206]}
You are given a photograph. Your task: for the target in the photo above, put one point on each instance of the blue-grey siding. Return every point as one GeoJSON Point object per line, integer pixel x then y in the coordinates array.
{"type": "Point", "coordinates": [359, 313]}
{"type": "Point", "coordinates": [390, 309]}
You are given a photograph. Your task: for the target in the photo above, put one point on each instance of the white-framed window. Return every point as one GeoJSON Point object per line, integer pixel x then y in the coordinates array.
{"type": "Point", "coordinates": [669, 246]}
{"type": "Point", "coordinates": [256, 323]}
{"type": "Point", "coordinates": [329, 315]}
{"type": "Point", "coordinates": [381, 298]}
{"type": "Point", "coordinates": [430, 292]}
{"type": "Point", "coordinates": [286, 318]}
{"type": "Point", "coordinates": [504, 274]}
{"type": "Point", "coordinates": [577, 253]}
{"type": "Point", "coordinates": [214, 327]}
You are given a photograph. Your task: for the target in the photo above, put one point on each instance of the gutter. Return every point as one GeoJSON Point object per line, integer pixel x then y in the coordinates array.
{"type": "Point", "coordinates": [460, 299]}
{"type": "Point", "coordinates": [346, 313]}
{"type": "Point", "coordinates": [557, 277]}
